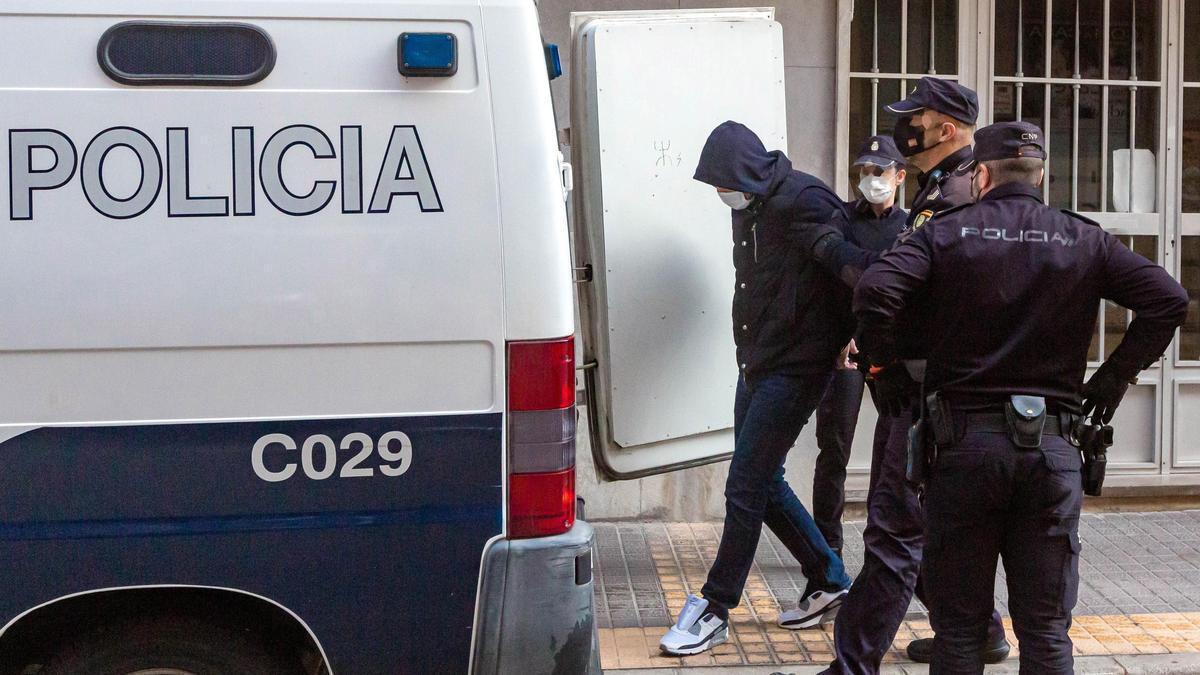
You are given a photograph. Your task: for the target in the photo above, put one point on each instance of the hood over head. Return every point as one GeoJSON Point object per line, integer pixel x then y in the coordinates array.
{"type": "Point", "coordinates": [735, 158]}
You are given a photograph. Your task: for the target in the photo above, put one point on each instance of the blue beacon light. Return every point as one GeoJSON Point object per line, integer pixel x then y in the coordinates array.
{"type": "Point", "coordinates": [428, 54]}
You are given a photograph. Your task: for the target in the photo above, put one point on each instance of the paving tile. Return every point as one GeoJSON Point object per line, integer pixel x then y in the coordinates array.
{"type": "Point", "coordinates": [1139, 592]}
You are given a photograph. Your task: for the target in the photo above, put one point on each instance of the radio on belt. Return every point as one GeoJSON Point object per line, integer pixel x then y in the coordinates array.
{"type": "Point", "coordinates": [428, 54]}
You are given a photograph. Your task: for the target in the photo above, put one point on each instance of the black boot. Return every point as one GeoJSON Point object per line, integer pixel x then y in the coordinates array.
{"type": "Point", "coordinates": [921, 651]}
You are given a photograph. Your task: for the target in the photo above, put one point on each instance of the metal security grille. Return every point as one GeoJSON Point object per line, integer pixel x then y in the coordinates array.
{"type": "Point", "coordinates": [1189, 339]}
{"type": "Point", "coordinates": [1088, 73]}
{"type": "Point", "coordinates": [893, 44]}
{"type": "Point", "coordinates": [1184, 372]}
{"type": "Point", "coordinates": [1115, 84]}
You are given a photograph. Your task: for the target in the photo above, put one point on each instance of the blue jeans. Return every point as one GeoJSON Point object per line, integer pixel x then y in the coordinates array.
{"type": "Point", "coordinates": [767, 420]}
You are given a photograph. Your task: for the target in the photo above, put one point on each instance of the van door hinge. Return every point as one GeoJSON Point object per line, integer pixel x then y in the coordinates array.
{"type": "Point", "coordinates": [586, 366]}
{"type": "Point", "coordinates": [566, 176]}
{"type": "Point", "coordinates": [582, 275]}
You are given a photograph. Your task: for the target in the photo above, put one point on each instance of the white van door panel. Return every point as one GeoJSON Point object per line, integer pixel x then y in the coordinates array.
{"type": "Point", "coordinates": [648, 88]}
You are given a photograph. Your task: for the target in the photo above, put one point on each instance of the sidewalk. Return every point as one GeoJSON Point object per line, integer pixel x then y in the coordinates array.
{"type": "Point", "coordinates": [1139, 597]}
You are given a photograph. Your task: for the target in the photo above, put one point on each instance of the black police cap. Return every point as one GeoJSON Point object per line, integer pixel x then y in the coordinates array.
{"type": "Point", "coordinates": [1009, 140]}
{"type": "Point", "coordinates": [879, 150]}
{"type": "Point", "coordinates": [944, 96]}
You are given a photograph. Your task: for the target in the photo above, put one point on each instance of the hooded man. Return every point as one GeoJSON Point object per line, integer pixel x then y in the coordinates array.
{"type": "Point", "coordinates": [789, 323]}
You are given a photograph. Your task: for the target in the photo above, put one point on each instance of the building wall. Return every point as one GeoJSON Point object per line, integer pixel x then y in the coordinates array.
{"type": "Point", "coordinates": [810, 59]}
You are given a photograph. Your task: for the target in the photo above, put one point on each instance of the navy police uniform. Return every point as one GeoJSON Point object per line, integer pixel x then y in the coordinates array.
{"type": "Point", "coordinates": [855, 240]}
{"type": "Point", "coordinates": [946, 186]}
{"type": "Point", "coordinates": [893, 539]}
{"type": "Point", "coordinates": [1011, 288]}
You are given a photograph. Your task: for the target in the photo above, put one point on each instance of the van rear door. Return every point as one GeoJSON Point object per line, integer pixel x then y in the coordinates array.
{"type": "Point", "coordinates": [647, 89]}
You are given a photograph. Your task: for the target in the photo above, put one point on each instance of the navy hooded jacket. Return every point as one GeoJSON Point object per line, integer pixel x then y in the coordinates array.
{"type": "Point", "coordinates": [790, 315]}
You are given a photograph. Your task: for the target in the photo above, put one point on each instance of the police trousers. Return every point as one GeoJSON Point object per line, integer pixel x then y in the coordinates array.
{"type": "Point", "coordinates": [989, 499]}
{"type": "Point", "coordinates": [893, 542]}
{"type": "Point", "coordinates": [837, 417]}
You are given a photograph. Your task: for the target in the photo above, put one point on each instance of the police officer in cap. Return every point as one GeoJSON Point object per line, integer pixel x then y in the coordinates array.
{"type": "Point", "coordinates": [1010, 289]}
{"type": "Point", "coordinates": [934, 133]}
{"type": "Point", "coordinates": [854, 240]}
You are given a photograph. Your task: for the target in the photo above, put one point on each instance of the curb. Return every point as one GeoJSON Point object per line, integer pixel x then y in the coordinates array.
{"type": "Point", "coordinates": [1139, 664]}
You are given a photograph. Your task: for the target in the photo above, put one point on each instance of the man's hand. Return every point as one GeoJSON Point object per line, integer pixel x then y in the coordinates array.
{"type": "Point", "coordinates": [844, 362]}
{"type": "Point", "coordinates": [891, 389]}
{"type": "Point", "coordinates": [1103, 393]}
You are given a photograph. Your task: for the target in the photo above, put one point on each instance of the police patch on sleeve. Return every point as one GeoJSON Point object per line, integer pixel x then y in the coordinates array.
{"type": "Point", "coordinates": [922, 218]}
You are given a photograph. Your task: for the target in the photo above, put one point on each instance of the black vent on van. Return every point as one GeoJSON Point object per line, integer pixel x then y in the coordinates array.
{"type": "Point", "coordinates": [172, 53]}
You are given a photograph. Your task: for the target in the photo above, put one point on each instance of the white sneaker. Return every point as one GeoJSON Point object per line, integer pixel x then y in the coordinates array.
{"type": "Point", "coordinates": [696, 630]}
{"type": "Point", "coordinates": [815, 610]}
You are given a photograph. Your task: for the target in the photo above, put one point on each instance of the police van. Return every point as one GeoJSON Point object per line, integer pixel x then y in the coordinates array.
{"type": "Point", "coordinates": [286, 342]}
{"type": "Point", "coordinates": [287, 314]}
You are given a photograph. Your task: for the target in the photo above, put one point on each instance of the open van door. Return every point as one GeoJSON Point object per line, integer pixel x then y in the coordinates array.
{"type": "Point", "coordinates": [647, 88]}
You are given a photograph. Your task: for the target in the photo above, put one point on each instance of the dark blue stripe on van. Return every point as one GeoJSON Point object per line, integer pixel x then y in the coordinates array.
{"type": "Point", "coordinates": [188, 526]}
{"type": "Point", "coordinates": [383, 568]}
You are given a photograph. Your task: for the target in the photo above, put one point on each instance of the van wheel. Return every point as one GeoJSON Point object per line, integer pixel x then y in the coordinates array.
{"type": "Point", "coordinates": [169, 646]}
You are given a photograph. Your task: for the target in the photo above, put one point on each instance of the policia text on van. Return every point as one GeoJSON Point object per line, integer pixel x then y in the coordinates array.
{"type": "Point", "coordinates": [404, 171]}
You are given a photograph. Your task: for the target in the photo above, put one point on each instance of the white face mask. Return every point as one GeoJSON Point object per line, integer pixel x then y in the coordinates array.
{"type": "Point", "coordinates": [734, 200]}
{"type": "Point", "coordinates": [876, 189]}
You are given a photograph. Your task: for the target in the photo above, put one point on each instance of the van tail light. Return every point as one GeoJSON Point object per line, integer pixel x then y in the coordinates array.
{"type": "Point", "coordinates": [541, 437]}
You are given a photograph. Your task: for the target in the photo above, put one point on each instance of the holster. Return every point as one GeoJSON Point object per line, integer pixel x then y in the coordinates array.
{"type": "Point", "coordinates": [1093, 440]}
{"type": "Point", "coordinates": [935, 427]}
{"type": "Point", "coordinates": [1026, 417]}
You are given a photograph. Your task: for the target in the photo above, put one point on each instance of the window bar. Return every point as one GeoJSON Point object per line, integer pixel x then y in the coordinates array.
{"type": "Point", "coordinates": [1046, 98]}
{"type": "Point", "coordinates": [1075, 121]}
{"type": "Point", "coordinates": [1132, 144]}
{"type": "Point", "coordinates": [1020, 86]}
{"type": "Point", "coordinates": [874, 106]}
{"type": "Point", "coordinates": [875, 39]}
{"type": "Point", "coordinates": [1132, 94]}
{"type": "Point", "coordinates": [1020, 38]}
{"type": "Point", "coordinates": [1104, 198]}
{"type": "Point", "coordinates": [903, 66]}
{"type": "Point", "coordinates": [1104, 195]}
{"type": "Point", "coordinates": [932, 36]}
{"type": "Point", "coordinates": [1104, 63]}
{"type": "Point", "coordinates": [874, 69]}
{"type": "Point", "coordinates": [1049, 34]}
{"type": "Point", "coordinates": [1133, 40]}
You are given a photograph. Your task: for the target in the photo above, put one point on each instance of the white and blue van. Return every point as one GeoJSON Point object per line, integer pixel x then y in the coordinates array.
{"type": "Point", "coordinates": [287, 319]}
{"type": "Point", "coordinates": [286, 358]}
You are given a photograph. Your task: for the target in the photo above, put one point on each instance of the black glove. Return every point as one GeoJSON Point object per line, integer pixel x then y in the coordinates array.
{"type": "Point", "coordinates": [1103, 393]}
{"type": "Point", "coordinates": [816, 239]}
{"type": "Point", "coordinates": [891, 389]}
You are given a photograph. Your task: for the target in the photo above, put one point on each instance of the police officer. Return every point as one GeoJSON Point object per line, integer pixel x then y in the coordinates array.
{"type": "Point", "coordinates": [1010, 287]}
{"type": "Point", "coordinates": [788, 326]}
{"type": "Point", "coordinates": [934, 132]}
{"type": "Point", "coordinates": [855, 241]}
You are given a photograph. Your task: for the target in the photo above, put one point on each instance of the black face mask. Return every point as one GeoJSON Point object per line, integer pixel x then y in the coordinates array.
{"type": "Point", "coordinates": [905, 134]}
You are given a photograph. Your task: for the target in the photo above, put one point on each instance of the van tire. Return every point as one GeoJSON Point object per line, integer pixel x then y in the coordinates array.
{"type": "Point", "coordinates": [170, 644]}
